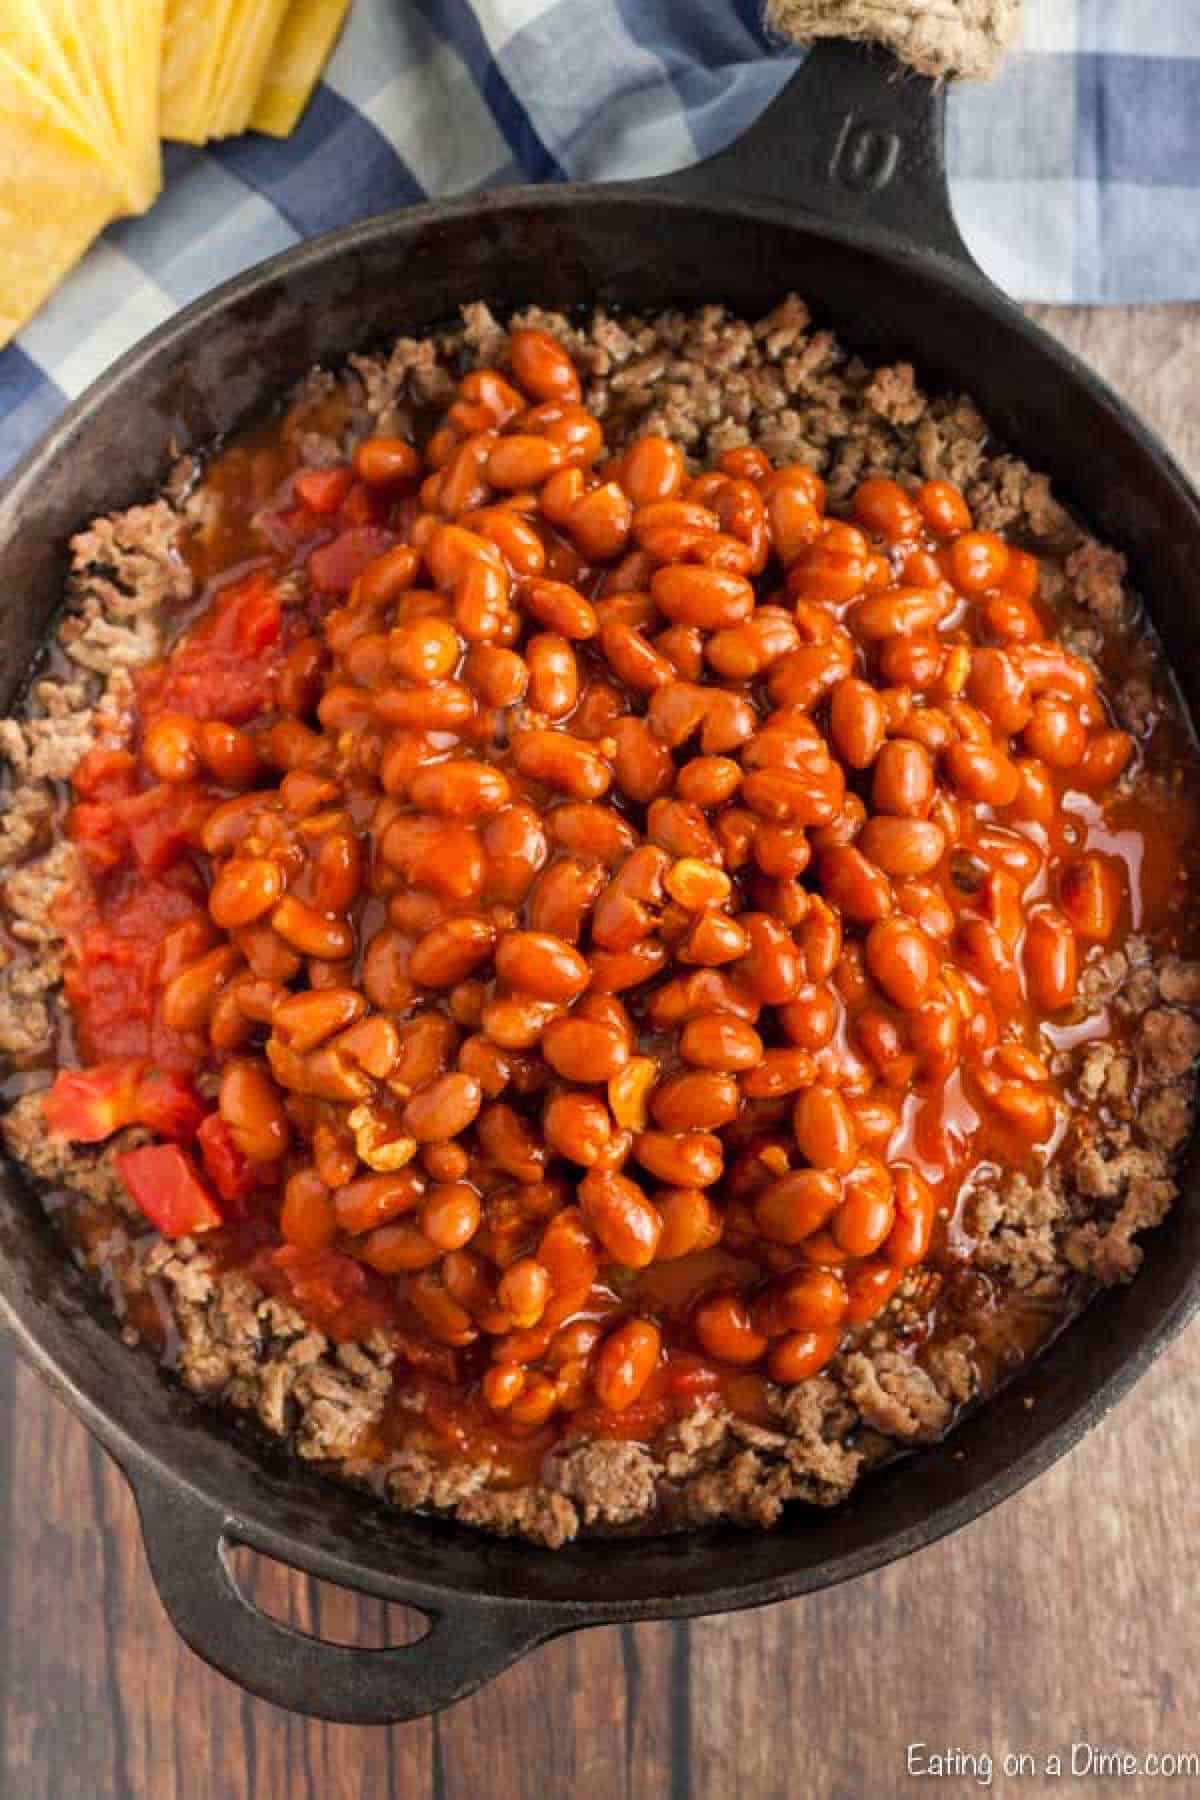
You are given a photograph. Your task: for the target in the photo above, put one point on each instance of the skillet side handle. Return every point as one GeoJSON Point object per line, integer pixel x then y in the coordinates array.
{"type": "Point", "coordinates": [854, 137]}
{"type": "Point", "coordinates": [467, 1644]}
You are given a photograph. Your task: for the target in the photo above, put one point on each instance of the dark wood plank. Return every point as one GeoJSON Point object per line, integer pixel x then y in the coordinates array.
{"type": "Point", "coordinates": [1064, 1616]}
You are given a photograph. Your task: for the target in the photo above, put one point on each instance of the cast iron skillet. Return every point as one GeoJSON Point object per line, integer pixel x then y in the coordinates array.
{"type": "Point", "coordinates": [839, 192]}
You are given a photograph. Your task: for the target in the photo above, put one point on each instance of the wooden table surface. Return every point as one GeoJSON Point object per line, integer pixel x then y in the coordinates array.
{"type": "Point", "coordinates": [1066, 1617]}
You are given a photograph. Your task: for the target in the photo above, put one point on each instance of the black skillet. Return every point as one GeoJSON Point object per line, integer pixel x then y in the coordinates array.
{"type": "Point", "coordinates": [839, 192]}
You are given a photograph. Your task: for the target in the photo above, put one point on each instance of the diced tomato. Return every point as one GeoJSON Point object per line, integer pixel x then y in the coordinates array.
{"type": "Point", "coordinates": [336, 566]}
{"type": "Point", "coordinates": [233, 1175]}
{"type": "Point", "coordinates": [364, 506]}
{"type": "Point", "coordinates": [165, 1183]}
{"type": "Point", "coordinates": [252, 618]}
{"type": "Point", "coordinates": [115, 939]}
{"type": "Point", "coordinates": [105, 774]}
{"type": "Point", "coordinates": [167, 1103]}
{"type": "Point", "coordinates": [323, 490]}
{"type": "Point", "coordinates": [88, 1105]}
{"type": "Point", "coordinates": [333, 1292]}
{"type": "Point", "coordinates": [96, 830]}
{"type": "Point", "coordinates": [225, 667]}
{"type": "Point", "coordinates": [164, 823]}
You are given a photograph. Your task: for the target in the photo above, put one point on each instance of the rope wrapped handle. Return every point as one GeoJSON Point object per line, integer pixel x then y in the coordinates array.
{"type": "Point", "coordinates": [934, 37]}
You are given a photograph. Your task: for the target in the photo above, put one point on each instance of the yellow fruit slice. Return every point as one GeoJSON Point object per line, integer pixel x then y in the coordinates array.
{"type": "Point", "coordinates": [253, 30]}
{"type": "Point", "coordinates": [28, 37]}
{"type": "Point", "coordinates": [194, 40]}
{"type": "Point", "coordinates": [56, 194]}
{"type": "Point", "coordinates": [305, 40]}
{"type": "Point", "coordinates": [136, 58]}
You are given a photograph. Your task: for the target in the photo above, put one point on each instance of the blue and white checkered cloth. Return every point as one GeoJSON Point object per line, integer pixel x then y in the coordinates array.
{"type": "Point", "coordinates": [1075, 174]}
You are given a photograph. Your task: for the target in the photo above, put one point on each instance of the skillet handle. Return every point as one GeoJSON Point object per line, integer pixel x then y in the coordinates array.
{"type": "Point", "coordinates": [854, 137]}
{"type": "Point", "coordinates": [468, 1643]}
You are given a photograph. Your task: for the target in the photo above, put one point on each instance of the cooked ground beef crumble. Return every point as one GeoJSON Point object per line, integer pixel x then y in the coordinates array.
{"type": "Point", "coordinates": [1029, 1251]}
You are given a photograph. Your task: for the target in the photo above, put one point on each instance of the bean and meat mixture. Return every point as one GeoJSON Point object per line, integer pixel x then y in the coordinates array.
{"type": "Point", "coordinates": [585, 932]}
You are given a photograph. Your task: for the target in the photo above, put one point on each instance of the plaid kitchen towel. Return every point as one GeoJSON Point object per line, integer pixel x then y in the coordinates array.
{"type": "Point", "coordinates": [1075, 174]}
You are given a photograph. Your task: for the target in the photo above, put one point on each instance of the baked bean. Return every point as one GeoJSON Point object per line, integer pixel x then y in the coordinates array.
{"type": "Point", "coordinates": [171, 748]}
{"type": "Point", "coordinates": [542, 366]}
{"type": "Point", "coordinates": [615, 970]}
{"type": "Point", "coordinates": [443, 1108]}
{"type": "Point", "coordinates": [534, 962]}
{"type": "Point", "coordinates": [742, 652]}
{"type": "Point", "coordinates": [561, 762]}
{"type": "Point", "coordinates": [709, 598]}
{"type": "Point", "coordinates": [864, 1217]}
{"type": "Point", "coordinates": [580, 1051]}
{"type": "Point", "coordinates": [653, 469]}
{"type": "Point", "coordinates": [625, 1362]}
{"type": "Point", "coordinates": [245, 889]}
{"type": "Point", "coordinates": [307, 1217]}
{"type": "Point", "coordinates": [943, 509]}
{"type": "Point", "coordinates": [452, 950]}
{"type": "Point", "coordinates": [460, 790]}
{"type": "Point", "coordinates": [882, 506]}
{"type": "Point", "coordinates": [684, 1159]}
{"type": "Point", "coordinates": [698, 1101]}
{"type": "Point", "coordinates": [1106, 757]}
{"type": "Point", "coordinates": [642, 766]}
{"type": "Point", "coordinates": [907, 1243]}
{"type": "Point", "coordinates": [856, 722]}
{"type": "Point", "coordinates": [824, 1128]}
{"type": "Point", "coordinates": [780, 1072]}
{"type": "Point", "coordinates": [627, 1225]}
{"type": "Point", "coordinates": [1055, 733]}
{"type": "Point", "coordinates": [977, 560]}
{"type": "Point", "coordinates": [725, 1329]}
{"type": "Point", "coordinates": [721, 1042]}
{"type": "Point", "coordinates": [1089, 892]}
{"type": "Point", "coordinates": [516, 1021]}
{"type": "Point", "coordinates": [899, 612]}
{"type": "Point", "coordinates": [982, 773]}
{"type": "Point", "coordinates": [801, 1354]}
{"type": "Point", "coordinates": [902, 847]}
{"type": "Point", "coordinates": [811, 1018]}
{"type": "Point", "coordinates": [903, 779]}
{"type": "Point", "coordinates": [251, 1106]}
{"type": "Point", "coordinates": [188, 998]}
{"type": "Point", "coordinates": [553, 675]}
{"type": "Point", "coordinates": [901, 961]}
{"type": "Point", "coordinates": [771, 968]}
{"type": "Point", "coordinates": [690, 1222]}
{"type": "Point", "coordinates": [855, 885]}
{"type": "Point", "coordinates": [578, 1126]}
{"type": "Point", "coordinates": [1050, 959]}
{"type": "Point", "coordinates": [809, 1300]}
{"type": "Point", "coordinates": [450, 1215]}
{"type": "Point", "coordinates": [983, 953]}
{"type": "Point", "coordinates": [634, 658]}
{"type": "Point", "coordinates": [869, 1287]}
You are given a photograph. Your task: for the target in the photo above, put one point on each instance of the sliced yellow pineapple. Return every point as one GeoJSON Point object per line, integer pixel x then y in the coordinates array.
{"type": "Point", "coordinates": [305, 40]}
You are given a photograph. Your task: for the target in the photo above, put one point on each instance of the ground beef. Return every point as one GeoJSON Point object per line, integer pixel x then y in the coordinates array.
{"type": "Point", "coordinates": [535, 1513]}
{"type": "Point", "coordinates": [1169, 1042]}
{"type": "Point", "coordinates": [1096, 575]}
{"type": "Point", "coordinates": [81, 1168]}
{"type": "Point", "coordinates": [896, 1396]}
{"type": "Point", "coordinates": [610, 1483]}
{"type": "Point", "coordinates": [712, 382]}
{"type": "Point", "coordinates": [1016, 1224]}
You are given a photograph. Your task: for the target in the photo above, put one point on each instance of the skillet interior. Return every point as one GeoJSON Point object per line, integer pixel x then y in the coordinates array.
{"type": "Point", "coordinates": [639, 247]}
